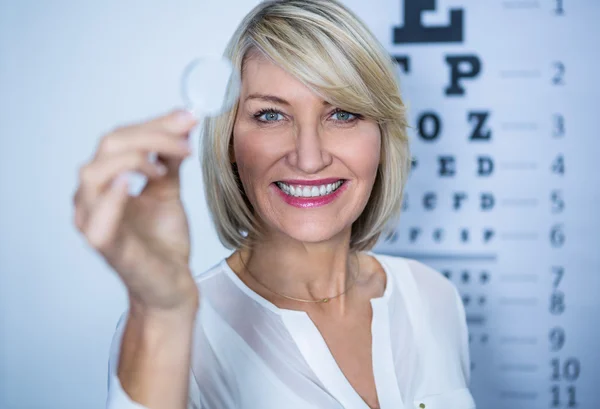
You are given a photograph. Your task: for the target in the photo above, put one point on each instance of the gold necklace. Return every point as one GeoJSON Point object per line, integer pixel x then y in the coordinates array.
{"type": "Point", "coordinates": [322, 300]}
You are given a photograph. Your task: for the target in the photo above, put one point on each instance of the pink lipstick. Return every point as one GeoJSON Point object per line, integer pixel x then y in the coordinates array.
{"type": "Point", "coordinates": [310, 202]}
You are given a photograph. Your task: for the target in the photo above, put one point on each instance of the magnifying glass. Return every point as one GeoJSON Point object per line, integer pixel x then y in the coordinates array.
{"type": "Point", "coordinates": [210, 86]}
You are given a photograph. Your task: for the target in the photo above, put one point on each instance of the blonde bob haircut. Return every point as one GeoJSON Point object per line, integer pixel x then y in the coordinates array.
{"type": "Point", "coordinates": [331, 51]}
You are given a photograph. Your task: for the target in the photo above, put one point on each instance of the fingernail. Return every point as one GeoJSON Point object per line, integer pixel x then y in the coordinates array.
{"type": "Point", "coordinates": [185, 117]}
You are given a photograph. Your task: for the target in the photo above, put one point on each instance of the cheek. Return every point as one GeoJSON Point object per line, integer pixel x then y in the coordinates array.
{"type": "Point", "coordinates": [242, 152]}
{"type": "Point", "coordinates": [248, 156]}
{"type": "Point", "coordinates": [256, 150]}
{"type": "Point", "coordinates": [254, 156]}
{"type": "Point", "coordinates": [363, 154]}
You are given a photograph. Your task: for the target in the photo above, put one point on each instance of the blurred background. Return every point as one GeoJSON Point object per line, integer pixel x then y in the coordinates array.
{"type": "Point", "coordinates": [503, 103]}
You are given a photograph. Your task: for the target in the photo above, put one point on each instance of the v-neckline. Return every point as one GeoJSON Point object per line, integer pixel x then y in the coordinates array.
{"type": "Point", "coordinates": [319, 357]}
{"type": "Point", "coordinates": [387, 292]}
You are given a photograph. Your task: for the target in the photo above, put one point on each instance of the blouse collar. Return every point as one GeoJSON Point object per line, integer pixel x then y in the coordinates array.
{"type": "Point", "coordinates": [384, 298]}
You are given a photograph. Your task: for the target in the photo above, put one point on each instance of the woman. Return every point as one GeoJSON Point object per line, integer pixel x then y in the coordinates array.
{"type": "Point", "coordinates": [301, 178]}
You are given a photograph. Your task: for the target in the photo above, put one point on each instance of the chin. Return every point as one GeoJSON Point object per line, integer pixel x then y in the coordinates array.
{"type": "Point", "coordinates": [311, 232]}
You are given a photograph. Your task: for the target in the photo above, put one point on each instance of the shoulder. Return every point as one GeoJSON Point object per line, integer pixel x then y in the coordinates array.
{"type": "Point", "coordinates": [433, 288]}
{"type": "Point", "coordinates": [437, 292]}
{"type": "Point", "coordinates": [213, 271]}
{"type": "Point", "coordinates": [430, 296]}
{"type": "Point", "coordinates": [439, 312]}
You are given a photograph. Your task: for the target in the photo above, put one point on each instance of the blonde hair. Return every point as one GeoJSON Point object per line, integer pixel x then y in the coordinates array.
{"type": "Point", "coordinates": [331, 51]}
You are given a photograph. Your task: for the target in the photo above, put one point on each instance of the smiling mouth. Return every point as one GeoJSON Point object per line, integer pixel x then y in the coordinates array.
{"type": "Point", "coordinates": [309, 191]}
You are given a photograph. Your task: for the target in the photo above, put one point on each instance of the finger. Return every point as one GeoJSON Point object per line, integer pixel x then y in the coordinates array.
{"type": "Point", "coordinates": [175, 125]}
{"type": "Point", "coordinates": [104, 220]}
{"type": "Point", "coordinates": [176, 122]}
{"type": "Point", "coordinates": [97, 176]}
{"type": "Point", "coordinates": [143, 140]}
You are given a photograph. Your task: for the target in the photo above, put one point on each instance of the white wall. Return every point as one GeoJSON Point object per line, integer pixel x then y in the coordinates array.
{"type": "Point", "coordinates": [70, 71]}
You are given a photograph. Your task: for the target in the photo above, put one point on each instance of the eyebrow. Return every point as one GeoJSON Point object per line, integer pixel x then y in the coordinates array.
{"type": "Point", "coordinates": [273, 98]}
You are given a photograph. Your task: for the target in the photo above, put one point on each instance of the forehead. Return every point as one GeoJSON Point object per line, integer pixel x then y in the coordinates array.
{"type": "Point", "coordinates": [260, 75]}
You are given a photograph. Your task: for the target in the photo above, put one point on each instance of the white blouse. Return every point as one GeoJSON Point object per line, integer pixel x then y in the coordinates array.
{"type": "Point", "coordinates": [248, 353]}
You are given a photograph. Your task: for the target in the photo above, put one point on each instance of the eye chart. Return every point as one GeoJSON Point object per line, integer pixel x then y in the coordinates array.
{"type": "Point", "coordinates": [502, 199]}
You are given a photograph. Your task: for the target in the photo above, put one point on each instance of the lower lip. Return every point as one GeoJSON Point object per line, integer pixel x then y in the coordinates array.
{"type": "Point", "coordinates": [309, 202]}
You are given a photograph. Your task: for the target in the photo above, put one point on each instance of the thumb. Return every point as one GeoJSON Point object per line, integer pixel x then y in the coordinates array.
{"type": "Point", "coordinates": [170, 182]}
{"type": "Point", "coordinates": [173, 166]}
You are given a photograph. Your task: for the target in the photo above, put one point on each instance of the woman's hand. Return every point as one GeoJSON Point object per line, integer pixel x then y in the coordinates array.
{"type": "Point", "coordinates": [145, 238]}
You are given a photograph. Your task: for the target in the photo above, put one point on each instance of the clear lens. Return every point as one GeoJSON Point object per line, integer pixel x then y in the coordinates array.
{"type": "Point", "coordinates": [210, 86]}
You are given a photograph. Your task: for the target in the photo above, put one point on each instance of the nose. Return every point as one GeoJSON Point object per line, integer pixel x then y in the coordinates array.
{"type": "Point", "coordinates": [309, 154]}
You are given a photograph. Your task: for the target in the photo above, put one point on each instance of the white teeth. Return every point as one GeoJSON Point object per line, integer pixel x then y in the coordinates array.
{"type": "Point", "coordinates": [309, 191]}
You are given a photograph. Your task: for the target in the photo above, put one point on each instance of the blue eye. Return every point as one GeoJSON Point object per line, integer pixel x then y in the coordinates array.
{"type": "Point", "coordinates": [274, 115]}
{"type": "Point", "coordinates": [345, 115]}
{"type": "Point", "coordinates": [267, 115]}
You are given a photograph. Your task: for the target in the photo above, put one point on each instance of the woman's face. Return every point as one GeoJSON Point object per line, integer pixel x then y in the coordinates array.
{"type": "Point", "coordinates": [290, 144]}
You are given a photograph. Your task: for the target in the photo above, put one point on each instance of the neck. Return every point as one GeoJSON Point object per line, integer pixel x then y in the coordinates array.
{"type": "Point", "coordinates": [308, 271]}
